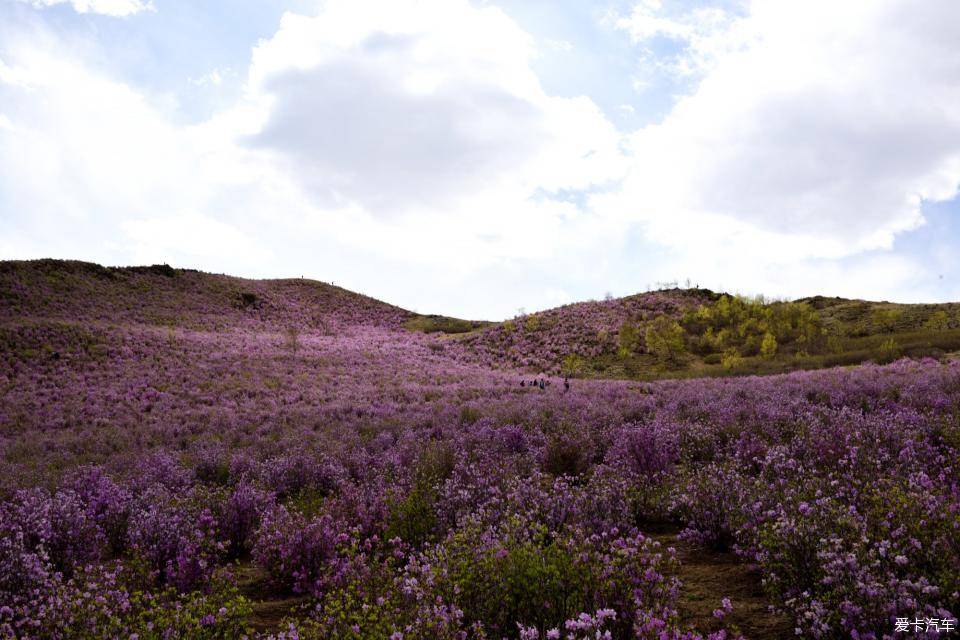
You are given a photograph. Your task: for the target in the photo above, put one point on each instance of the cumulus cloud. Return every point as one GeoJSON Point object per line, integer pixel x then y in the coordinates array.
{"type": "Point", "coordinates": [117, 8]}
{"type": "Point", "coordinates": [405, 140]}
{"type": "Point", "coordinates": [815, 129]}
{"type": "Point", "coordinates": [400, 105]}
{"type": "Point", "coordinates": [385, 143]}
{"type": "Point", "coordinates": [89, 167]}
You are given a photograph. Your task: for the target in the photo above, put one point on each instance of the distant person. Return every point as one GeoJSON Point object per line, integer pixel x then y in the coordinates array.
{"type": "Point", "coordinates": [542, 384]}
{"type": "Point", "coordinates": [566, 385]}
{"type": "Point", "coordinates": [523, 383]}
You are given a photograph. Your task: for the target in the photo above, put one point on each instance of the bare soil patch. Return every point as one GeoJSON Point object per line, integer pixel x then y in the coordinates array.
{"type": "Point", "coordinates": [708, 577]}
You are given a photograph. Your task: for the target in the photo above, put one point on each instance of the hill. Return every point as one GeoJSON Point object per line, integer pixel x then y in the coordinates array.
{"type": "Point", "coordinates": [672, 333]}
{"type": "Point", "coordinates": [187, 455]}
{"type": "Point", "coordinates": [163, 296]}
{"type": "Point", "coordinates": [697, 333]}
{"type": "Point", "coordinates": [575, 338]}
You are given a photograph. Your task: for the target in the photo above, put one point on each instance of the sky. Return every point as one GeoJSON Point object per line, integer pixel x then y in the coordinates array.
{"type": "Point", "coordinates": [478, 158]}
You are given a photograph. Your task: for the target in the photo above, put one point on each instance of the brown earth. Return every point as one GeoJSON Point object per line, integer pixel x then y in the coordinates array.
{"type": "Point", "coordinates": [270, 605]}
{"type": "Point", "coordinates": [708, 577]}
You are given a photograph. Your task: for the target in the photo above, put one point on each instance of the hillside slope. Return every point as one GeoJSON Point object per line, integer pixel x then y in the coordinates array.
{"type": "Point", "coordinates": [696, 333]}
{"type": "Point", "coordinates": [161, 295]}
{"type": "Point", "coordinates": [663, 334]}
{"type": "Point", "coordinates": [179, 460]}
{"type": "Point", "coordinates": [577, 333]}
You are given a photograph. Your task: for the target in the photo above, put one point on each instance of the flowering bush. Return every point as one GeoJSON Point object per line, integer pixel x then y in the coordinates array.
{"type": "Point", "coordinates": [25, 569]}
{"type": "Point", "coordinates": [238, 515]}
{"type": "Point", "coordinates": [57, 524]}
{"type": "Point", "coordinates": [386, 597]}
{"type": "Point", "coordinates": [101, 602]}
{"type": "Point", "coordinates": [522, 572]}
{"type": "Point", "coordinates": [300, 553]}
{"type": "Point", "coordinates": [177, 539]}
{"type": "Point", "coordinates": [708, 501]}
{"type": "Point", "coordinates": [106, 503]}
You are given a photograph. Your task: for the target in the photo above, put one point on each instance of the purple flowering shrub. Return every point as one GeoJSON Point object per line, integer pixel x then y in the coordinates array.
{"type": "Point", "coordinates": [568, 454]}
{"type": "Point", "coordinates": [645, 452]}
{"type": "Point", "coordinates": [108, 601]}
{"type": "Point", "coordinates": [25, 569]}
{"type": "Point", "coordinates": [161, 469]}
{"type": "Point", "coordinates": [212, 464]}
{"type": "Point", "coordinates": [105, 502]}
{"type": "Point", "coordinates": [291, 474]}
{"type": "Point", "coordinates": [851, 558]}
{"type": "Point", "coordinates": [519, 580]}
{"type": "Point", "coordinates": [413, 517]}
{"type": "Point", "coordinates": [59, 525]}
{"type": "Point", "coordinates": [177, 537]}
{"type": "Point", "coordinates": [707, 500]}
{"type": "Point", "coordinates": [387, 594]}
{"type": "Point", "coordinates": [301, 553]}
{"type": "Point", "coordinates": [641, 462]}
{"type": "Point", "coordinates": [238, 513]}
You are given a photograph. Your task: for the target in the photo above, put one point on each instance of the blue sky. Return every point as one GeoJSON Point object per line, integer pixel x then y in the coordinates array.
{"type": "Point", "coordinates": [472, 158]}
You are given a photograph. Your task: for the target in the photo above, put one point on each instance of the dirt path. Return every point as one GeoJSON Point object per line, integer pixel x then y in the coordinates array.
{"type": "Point", "coordinates": [270, 606]}
{"type": "Point", "coordinates": [710, 576]}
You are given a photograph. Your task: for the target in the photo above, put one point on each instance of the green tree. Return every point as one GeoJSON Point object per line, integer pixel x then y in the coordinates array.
{"type": "Point", "coordinates": [572, 364]}
{"type": "Point", "coordinates": [723, 309]}
{"type": "Point", "coordinates": [768, 348]}
{"type": "Point", "coordinates": [834, 345]}
{"type": "Point", "coordinates": [889, 351]}
{"type": "Point", "coordinates": [731, 359]}
{"type": "Point", "coordinates": [886, 319]}
{"type": "Point", "coordinates": [939, 321]}
{"type": "Point", "coordinates": [629, 338]}
{"type": "Point", "coordinates": [665, 339]}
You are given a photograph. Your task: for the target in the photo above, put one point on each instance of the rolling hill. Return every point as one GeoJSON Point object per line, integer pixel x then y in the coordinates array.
{"type": "Point", "coordinates": [188, 455]}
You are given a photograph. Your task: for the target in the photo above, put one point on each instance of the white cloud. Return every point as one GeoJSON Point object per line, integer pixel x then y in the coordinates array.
{"type": "Point", "coordinates": [12, 77]}
{"type": "Point", "coordinates": [192, 236]}
{"type": "Point", "coordinates": [401, 140]}
{"type": "Point", "coordinates": [387, 143]}
{"type": "Point", "coordinates": [557, 296]}
{"type": "Point", "coordinates": [91, 168]}
{"type": "Point", "coordinates": [816, 130]}
{"type": "Point", "coordinates": [406, 105]}
{"type": "Point", "coordinates": [117, 8]}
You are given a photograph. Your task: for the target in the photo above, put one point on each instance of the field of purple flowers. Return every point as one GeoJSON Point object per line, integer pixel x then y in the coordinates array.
{"type": "Point", "coordinates": [181, 452]}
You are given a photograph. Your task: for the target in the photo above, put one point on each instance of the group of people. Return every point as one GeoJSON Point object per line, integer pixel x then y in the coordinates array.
{"type": "Point", "coordinates": [543, 383]}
